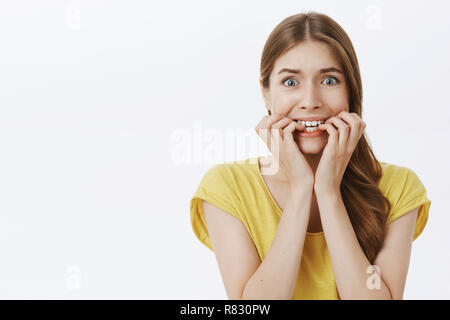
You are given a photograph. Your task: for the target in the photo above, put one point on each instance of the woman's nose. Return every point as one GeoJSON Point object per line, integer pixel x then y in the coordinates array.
{"type": "Point", "coordinates": [309, 98]}
{"type": "Point", "coordinates": [309, 106]}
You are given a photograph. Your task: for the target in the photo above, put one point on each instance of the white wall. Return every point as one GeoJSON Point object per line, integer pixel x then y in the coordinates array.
{"type": "Point", "coordinates": [92, 202]}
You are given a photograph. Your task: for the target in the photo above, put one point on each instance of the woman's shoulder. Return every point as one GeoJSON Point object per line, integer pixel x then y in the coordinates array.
{"type": "Point", "coordinates": [243, 166]}
{"type": "Point", "coordinates": [394, 173]}
{"type": "Point", "coordinates": [389, 167]}
{"type": "Point", "coordinates": [232, 174]}
{"type": "Point", "coordinates": [405, 191]}
{"type": "Point", "coordinates": [397, 180]}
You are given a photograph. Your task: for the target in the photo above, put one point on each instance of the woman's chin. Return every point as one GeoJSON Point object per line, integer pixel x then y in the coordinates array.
{"type": "Point", "coordinates": [311, 145]}
{"type": "Point", "coordinates": [311, 148]}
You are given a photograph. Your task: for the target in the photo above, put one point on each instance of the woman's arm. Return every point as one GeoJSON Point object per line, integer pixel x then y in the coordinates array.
{"type": "Point", "coordinates": [352, 269]}
{"type": "Point", "coordinates": [244, 275]}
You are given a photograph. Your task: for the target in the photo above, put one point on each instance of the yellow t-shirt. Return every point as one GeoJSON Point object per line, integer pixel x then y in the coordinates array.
{"type": "Point", "coordinates": [238, 188]}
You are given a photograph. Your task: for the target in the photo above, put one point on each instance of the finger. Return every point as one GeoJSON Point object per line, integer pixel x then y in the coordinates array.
{"type": "Point", "coordinates": [343, 131]}
{"type": "Point", "coordinates": [263, 127]}
{"type": "Point", "coordinates": [280, 125]}
{"type": "Point", "coordinates": [283, 123]}
{"type": "Point", "coordinates": [270, 120]}
{"type": "Point", "coordinates": [267, 121]}
{"type": "Point", "coordinates": [352, 119]}
{"type": "Point", "coordinates": [357, 127]}
{"type": "Point", "coordinates": [358, 120]}
{"type": "Point", "coordinates": [288, 136]}
{"type": "Point", "coordinates": [332, 135]}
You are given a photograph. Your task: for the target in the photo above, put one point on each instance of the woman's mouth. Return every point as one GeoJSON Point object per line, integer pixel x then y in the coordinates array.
{"type": "Point", "coordinates": [311, 134]}
{"type": "Point", "coordinates": [310, 127]}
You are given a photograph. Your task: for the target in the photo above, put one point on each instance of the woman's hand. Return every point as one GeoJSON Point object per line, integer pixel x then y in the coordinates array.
{"type": "Point", "coordinates": [277, 132]}
{"type": "Point", "coordinates": [338, 151]}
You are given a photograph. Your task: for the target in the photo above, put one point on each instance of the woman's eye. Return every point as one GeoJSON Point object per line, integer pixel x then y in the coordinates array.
{"type": "Point", "coordinates": [335, 79]}
{"type": "Point", "coordinates": [290, 79]}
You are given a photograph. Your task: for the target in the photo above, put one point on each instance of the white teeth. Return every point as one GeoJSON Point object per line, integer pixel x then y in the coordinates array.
{"type": "Point", "coordinates": [311, 129]}
{"type": "Point", "coordinates": [310, 123]}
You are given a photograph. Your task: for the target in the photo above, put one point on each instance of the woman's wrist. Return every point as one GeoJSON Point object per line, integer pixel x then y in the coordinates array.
{"type": "Point", "coordinates": [297, 190]}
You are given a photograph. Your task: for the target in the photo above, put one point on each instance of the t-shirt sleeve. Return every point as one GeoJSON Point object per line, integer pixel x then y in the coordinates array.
{"type": "Point", "coordinates": [216, 188]}
{"type": "Point", "coordinates": [409, 193]}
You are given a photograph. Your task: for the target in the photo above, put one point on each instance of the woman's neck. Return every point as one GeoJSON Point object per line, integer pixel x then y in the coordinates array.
{"type": "Point", "coordinates": [313, 160]}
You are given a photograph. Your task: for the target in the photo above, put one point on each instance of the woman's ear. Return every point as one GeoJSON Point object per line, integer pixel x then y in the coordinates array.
{"type": "Point", "coordinates": [266, 96]}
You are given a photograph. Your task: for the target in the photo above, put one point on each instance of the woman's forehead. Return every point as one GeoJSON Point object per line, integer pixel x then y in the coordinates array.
{"type": "Point", "coordinates": [308, 57]}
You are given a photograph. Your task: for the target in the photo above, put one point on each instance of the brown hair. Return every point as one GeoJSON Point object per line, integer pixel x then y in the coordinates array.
{"type": "Point", "coordinates": [366, 205]}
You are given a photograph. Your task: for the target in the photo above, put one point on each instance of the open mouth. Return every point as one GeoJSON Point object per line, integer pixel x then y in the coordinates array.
{"type": "Point", "coordinates": [311, 126]}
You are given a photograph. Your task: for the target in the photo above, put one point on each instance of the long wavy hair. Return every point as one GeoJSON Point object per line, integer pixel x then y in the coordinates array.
{"type": "Point", "coordinates": [367, 207]}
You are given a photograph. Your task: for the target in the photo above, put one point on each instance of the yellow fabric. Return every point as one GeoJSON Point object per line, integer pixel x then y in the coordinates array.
{"type": "Point", "coordinates": [238, 188]}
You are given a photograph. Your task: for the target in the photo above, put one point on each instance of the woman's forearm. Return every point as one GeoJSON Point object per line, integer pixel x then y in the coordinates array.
{"type": "Point", "coordinates": [277, 274]}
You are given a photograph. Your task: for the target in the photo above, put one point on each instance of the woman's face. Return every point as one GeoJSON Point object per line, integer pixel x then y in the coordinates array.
{"type": "Point", "coordinates": [305, 91]}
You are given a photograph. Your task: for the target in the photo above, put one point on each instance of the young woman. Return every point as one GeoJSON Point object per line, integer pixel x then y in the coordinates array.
{"type": "Point", "coordinates": [332, 222]}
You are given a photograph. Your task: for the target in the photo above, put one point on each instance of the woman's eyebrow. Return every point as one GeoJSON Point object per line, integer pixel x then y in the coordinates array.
{"type": "Point", "coordinates": [324, 70]}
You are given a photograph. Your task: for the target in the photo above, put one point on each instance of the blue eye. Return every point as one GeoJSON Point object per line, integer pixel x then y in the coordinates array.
{"type": "Point", "coordinates": [334, 78]}
{"type": "Point", "coordinates": [289, 79]}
